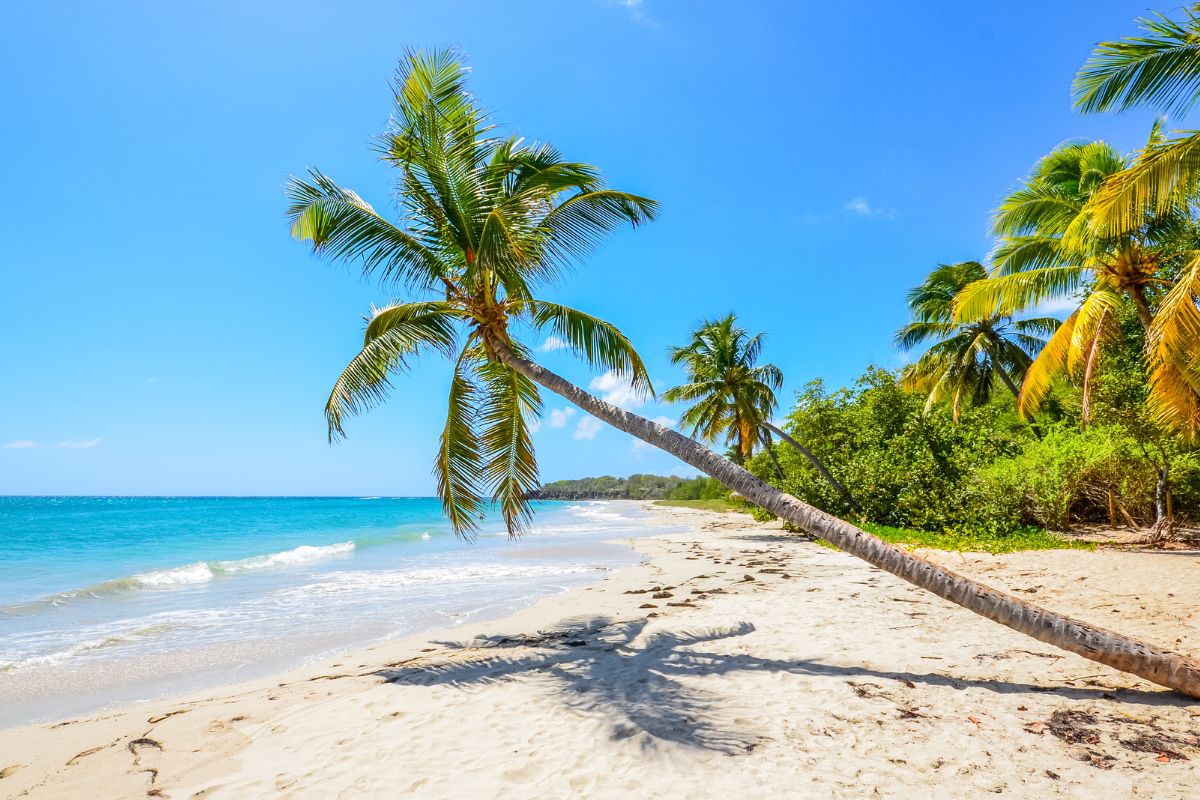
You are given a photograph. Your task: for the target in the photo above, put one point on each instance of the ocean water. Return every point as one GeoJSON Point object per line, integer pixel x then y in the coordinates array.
{"type": "Point", "coordinates": [106, 600]}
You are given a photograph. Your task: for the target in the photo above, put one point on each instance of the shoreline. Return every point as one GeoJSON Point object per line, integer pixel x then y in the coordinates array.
{"type": "Point", "coordinates": [773, 662]}
{"type": "Point", "coordinates": [124, 640]}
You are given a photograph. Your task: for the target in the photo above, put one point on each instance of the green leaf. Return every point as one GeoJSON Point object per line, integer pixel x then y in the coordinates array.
{"type": "Point", "coordinates": [598, 342]}
{"type": "Point", "coordinates": [393, 336]}
{"type": "Point", "coordinates": [509, 467]}
{"type": "Point", "coordinates": [459, 463]}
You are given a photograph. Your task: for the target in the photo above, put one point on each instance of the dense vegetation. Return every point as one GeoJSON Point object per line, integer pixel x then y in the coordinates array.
{"type": "Point", "coordinates": [988, 473]}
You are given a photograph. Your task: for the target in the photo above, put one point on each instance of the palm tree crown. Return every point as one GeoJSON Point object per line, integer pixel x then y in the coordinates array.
{"type": "Point", "coordinates": [964, 360]}
{"type": "Point", "coordinates": [732, 395]}
{"type": "Point", "coordinates": [1049, 249]}
{"type": "Point", "coordinates": [487, 221]}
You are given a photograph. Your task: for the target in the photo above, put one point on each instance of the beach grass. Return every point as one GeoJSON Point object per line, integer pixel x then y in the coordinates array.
{"type": "Point", "coordinates": [1025, 539]}
{"type": "Point", "coordinates": [718, 504]}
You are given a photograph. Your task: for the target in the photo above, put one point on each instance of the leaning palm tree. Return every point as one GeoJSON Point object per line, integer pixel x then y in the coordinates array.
{"type": "Point", "coordinates": [733, 396]}
{"type": "Point", "coordinates": [488, 223]}
{"type": "Point", "coordinates": [964, 360]}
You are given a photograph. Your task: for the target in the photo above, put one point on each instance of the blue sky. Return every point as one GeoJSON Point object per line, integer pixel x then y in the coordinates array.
{"type": "Point", "coordinates": [161, 334]}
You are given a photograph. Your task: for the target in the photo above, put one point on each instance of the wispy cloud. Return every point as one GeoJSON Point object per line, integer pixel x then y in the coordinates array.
{"type": "Point", "coordinates": [617, 390]}
{"type": "Point", "coordinates": [551, 344]}
{"type": "Point", "coordinates": [588, 427]}
{"type": "Point", "coordinates": [862, 207]}
{"type": "Point", "coordinates": [76, 444]}
{"type": "Point", "coordinates": [19, 444]}
{"type": "Point", "coordinates": [637, 12]}
{"type": "Point", "coordinates": [614, 389]}
{"type": "Point", "coordinates": [560, 416]}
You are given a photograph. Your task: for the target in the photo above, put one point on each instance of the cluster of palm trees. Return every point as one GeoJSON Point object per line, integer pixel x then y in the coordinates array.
{"type": "Point", "coordinates": [1093, 227]}
{"type": "Point", "coordinates": [488, 222]}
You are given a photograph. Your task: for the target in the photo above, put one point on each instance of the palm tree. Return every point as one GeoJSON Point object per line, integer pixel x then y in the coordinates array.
{"type": "Point", "coordinates": [490, 221]}
{"type": "Point", "coordinates": [1048, 249]}
{"type": "Point", "coordinates": [1159, 69]}
{"type": "Point", "coordinates": [733, 396]}
{"type": "Point", "coordinates": [963, 360]}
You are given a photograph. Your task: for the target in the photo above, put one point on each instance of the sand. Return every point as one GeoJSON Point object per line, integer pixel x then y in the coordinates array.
{"type": "Point", "coordinates": [736, 661]}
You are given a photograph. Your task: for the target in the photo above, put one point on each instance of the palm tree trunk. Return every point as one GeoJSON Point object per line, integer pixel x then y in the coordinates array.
{"type": "Point", "coordinates": [1106, 647]}
{"type": "Point", "coordinates": [1161, 493]}
{"type": "Point", "coordinates": [816, 462]}
{"type": "Point", "coordinates": [993, 351]}
{"type": "Point", "coordinates": [770, 448]}
{"type": "Point", "coordinates": [1138, 295]}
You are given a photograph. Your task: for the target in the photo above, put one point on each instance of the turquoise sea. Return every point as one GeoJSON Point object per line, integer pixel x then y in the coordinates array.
{"type": "Point", "coordinates": [106, 600]}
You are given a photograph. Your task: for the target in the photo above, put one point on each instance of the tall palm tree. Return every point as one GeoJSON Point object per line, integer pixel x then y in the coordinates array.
{"type": "Point", "coordinates": [733, 396]}
{"type": "Point", "coordinates": [1048, 249]}
{"type": "Point", "coordinates": [489, 222]}
{"type": "Point", "coordinates": [1159, 69]}
{"type": "Point", "coordinates": [964, 360]}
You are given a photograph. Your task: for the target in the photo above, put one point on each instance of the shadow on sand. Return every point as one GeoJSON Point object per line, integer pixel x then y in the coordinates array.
{"type": "Point", "coordinates": [649, 686]}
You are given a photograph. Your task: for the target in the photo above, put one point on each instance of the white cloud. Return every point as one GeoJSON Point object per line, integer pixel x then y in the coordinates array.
{"type": "Point", "coordinates": [588, 427]}
{"type": "Point", "coordinates": [863, 208]}
{"type": "Point", "coordinates": [20, 444]}
{"type": "Point", "coordinates": [560, 416]}
{"type": "Point", "coordinates": [637, 12]}
{"type": "Point", "coordinates": [75, 444]}
{"type": "Point", "coordinates": [617, 390]}
{"type": "Point", "coordinates": [534, 425]}
{"type": "Point", "coordinates": [551, 344]}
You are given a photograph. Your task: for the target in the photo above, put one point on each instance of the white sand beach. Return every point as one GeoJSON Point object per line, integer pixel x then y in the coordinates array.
{"type": "Point", "coordinates": [736, 661]}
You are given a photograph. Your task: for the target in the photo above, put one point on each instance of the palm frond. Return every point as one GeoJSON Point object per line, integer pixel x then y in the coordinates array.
{"type": "Point", "coordinates": [1011, 294]}
{"type": "Point", "coordinates": [1160, 69]}
{"type": "Point", "coordinates": [692, 391]}
{"type": "Point", "coordinates": [393, 336]}
{"type": "Point", "coordinates": [915, 334]}
{"type": "Point", "coordinates": [459, 463]}
{"type": "Point", "coordinates": [1014, 254]}
{"type": "Point", "coordinates": [508, 399]}
{"type": "Point", "coordinates": [1037, 326]}
{"type": "Point", "coordinates": [1173, 401]}
{"type": "Point", "coordinates": [767, 375]}
{"type": "Point", "coordinates": [1173, 342]}
{"type": "Point", "coordinates": [599, 343]}
{"type": "Point", "coordinates": [933, 299]}
{"type": "Point", "coordinates": [1094, 323]}
{"type": "Point", "coordinates": [1040, 208]}
{"type": "Point", "coordinates": [1160, 180]}
{"type": "Point", "coordinates": [1049, 364]}
{"type": "Point", "coordinates": [575, 226]}
{"type": "Point", "coordinates": [344, 227]}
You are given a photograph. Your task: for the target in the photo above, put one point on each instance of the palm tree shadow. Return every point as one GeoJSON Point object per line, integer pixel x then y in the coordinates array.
{"type": "Point", "coordinates": [649, 687]}
{"type": "Point", "coordinates": [597, 667]}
